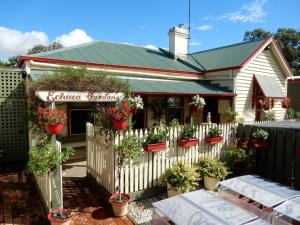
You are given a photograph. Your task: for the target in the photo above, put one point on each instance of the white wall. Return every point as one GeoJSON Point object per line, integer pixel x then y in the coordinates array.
{"type": "Point", "coordinates": [222, 78]}
{"type": "Point", "coordinates": [263, 64]}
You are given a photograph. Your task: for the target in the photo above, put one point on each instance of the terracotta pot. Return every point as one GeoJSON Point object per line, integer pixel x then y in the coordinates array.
{"type": "Point", "coordinates": [54, 128]}
{"type": "Point", "coordinates": [155, 147]}
{"type": "Point", "coordinates": [213, 140]}
{"type": "Point", "coordinates": [211, 183]}
{"type": "Point", "coordinates": [195, 109]}
{"type": "Point", "coordinates": [187, 143]}
{"type": "Point", "coordinates": [171, 192]}
{"type": "Point", "coordinates": [260, 144]}
{"type": "Point", "coordinates": [55, 221]}
{"type": "Point", "coordinates": [120, 208]}
{"type": "Point", "coordinates": [120, 124]}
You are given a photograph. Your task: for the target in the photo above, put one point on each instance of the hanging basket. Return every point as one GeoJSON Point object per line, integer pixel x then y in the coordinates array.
{"type": "Point", "coordinates": [187, 143]}
{"type": "Point", "coordinates": [195, 109]}
{"type": "Point", "coordinates": [54, 128]}
{"type": "Point", "coordinates": [266, 107]}
{"type": "Point", "coordinates": [120, 124]}
{"type": "Point", "coordinates": [260, 144]}
{"type": "Point", "coordinates": [213, 140]}
{"type": "Point", "coordinates": [155, 147]}
{"type": "Point", "coordinates": [133, 111]}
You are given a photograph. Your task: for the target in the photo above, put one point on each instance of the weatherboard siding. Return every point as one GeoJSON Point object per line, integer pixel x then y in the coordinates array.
{"type": "Point", "coordinates": [221, 78]}
{"type": "Point", "coordinates": [294, 93]}
{"type": "Point", "coordinates": [263, 64]}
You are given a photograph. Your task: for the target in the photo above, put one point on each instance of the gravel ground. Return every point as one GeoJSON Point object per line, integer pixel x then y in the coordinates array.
{"type": "Point", "coordinates": [141, 212]}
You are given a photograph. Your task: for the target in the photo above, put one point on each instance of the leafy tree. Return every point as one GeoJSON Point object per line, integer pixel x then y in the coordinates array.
{"type": "Point", "coordinates": [45, 48]}
{"type": "Point", "coordinates": [288, 39]}
{"type": "Point", "coordinates": [12, 61]}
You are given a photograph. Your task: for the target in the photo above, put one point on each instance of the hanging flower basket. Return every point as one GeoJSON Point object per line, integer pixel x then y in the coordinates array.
{"type": "Point", "coordinates": [155, 147]}
{"type": "Point", "coordinates": [195, 109]}
{"type": "Point", "coordinates": [54, 128]}
{"type": "Point", "coordinates": [197, 103]}
{"type": "Point", "coordinates": [213, 140]}
{"type": "Point", "coordinates": [286, 102]}
{"type": "Point", "coordinates": [260, 144]}
{"type": "Point", "coordinates": [133, 111]}
{"type": "Point", "coordinates": [264, 103]}
{"type": "Point", "coordinates": [120, 124]}
{"type": "Point", "coordinates": [186, 143]}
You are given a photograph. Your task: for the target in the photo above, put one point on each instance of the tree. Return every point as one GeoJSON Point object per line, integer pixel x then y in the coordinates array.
{"type": "Point", "coordinates": [256, 34]}
{"type": "Point", "coordinates": [13, 60]}
{"type": "Point", "coordinates": [45, 48]}
{"type": "Point", "coordinates": [288, 39]}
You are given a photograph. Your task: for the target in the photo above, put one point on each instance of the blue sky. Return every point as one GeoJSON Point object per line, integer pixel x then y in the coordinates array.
{"type": "Point", "coordinates": [145, 23]}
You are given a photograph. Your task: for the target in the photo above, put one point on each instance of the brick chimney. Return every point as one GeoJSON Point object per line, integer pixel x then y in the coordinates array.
{"type": "Point", "coordinates": [178, 40]}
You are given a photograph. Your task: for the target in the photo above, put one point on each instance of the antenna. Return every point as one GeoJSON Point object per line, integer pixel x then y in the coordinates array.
{"type": "Point", "coordinates": [189, 27]}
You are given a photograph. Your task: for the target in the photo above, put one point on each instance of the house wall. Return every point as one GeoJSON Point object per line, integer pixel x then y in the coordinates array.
{"type": "Point", "coordinates": [294, 93]}
{"type": "Point", "coordinates": [222, 78]}
{"type": "Point", "coordinates": [263, 64]}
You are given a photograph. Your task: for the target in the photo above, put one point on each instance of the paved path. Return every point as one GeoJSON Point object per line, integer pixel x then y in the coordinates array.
{"type": "Point", "coordinates": [20, 205]}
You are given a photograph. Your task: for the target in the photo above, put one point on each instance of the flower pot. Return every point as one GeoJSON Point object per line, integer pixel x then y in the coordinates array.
{"type": "Point", "coordinates": [285, 105]}
{"type": "Point", "coordinates": [120, 208]}
{"type": "Point", "coordinates": [195, 109]}
{"type": "Point", "coordinates": [187, 143]}
{"type": "Point", "coordinates": [260, 144]}
{"type": "Point", "coordinates": [60, 217]}
{"type": "Point", "coordinates": [120, 124]}
{"type": "Point", "coordinates": [155, 147]}
{"type": "Point", "coordinates": [266, 107]}
{"type": "Point", "coordinates": [54, 128]}
{"type": "Point", "coordinates": [133, 111]}
{"type": "Point", "coordinates": [171, 192]}
{"type": "Point", "coordinates": [211, 183]}
{"type": "Point", "coordinates": [213, 140]}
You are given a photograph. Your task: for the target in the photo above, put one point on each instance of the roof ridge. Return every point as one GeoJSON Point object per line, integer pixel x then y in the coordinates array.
{"type": "Point", "coordinates": [231, 45]}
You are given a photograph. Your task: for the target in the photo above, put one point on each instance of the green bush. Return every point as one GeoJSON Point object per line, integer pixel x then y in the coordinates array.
{"type": "Point", "coordinates": [290, 113]}
{"type": "Point", "coordinates": [181, 177]}
{"type": "Point", "coordinates": [270, 116]}
{"type": "Point", "coordinates": [161, 135]}
{"type": "Point", "coordinates": [214, 132]}
{"type": "Point", "coordinates": [207, 167]}
{"type": "Point", "coordinates": [188, 132]}
{"type": "Point", "coordinates": [129, 148]}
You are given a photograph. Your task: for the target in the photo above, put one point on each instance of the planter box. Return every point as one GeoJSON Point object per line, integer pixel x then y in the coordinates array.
{"type": "Point", "coordinates": [187, 143]}
{"type": "Point", "coordinates": [54, 128]}
{"type": "Point", "coordinates": [155, 147]}
{"type": "Point", "coordinates": [260, 144]}
{"type": "Point", "coordinates": [214, 140]}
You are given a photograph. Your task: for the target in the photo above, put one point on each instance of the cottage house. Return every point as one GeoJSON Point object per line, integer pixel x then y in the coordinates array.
{"type": "Point", "coordinates": [236, 76]}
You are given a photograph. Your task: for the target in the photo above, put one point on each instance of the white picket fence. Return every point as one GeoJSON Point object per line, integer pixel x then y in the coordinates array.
{"type": "Point", "coordinates": [102, 164]}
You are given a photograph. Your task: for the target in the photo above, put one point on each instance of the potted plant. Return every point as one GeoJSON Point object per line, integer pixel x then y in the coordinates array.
{"type": "Point", "coordinates": [128, 149]}
{"type": "Point", "coordinates": [212, 171]}
{"type": "Point", "coordinates": [44, 159]}
{"type": "Point", "coordinates": [197, 103]}
{"type": "Point", "coordinates": [286, 102]}
{"type": "Point", "coordinates": [214, 136]}
{"type": "Point", "coordinates": [119, 115]}
{"type": "Point", "coordinates": [235, 158]}
{"type": "Point", "coordinates": [52, 118]}
{"type": "Point", "coordinates": [260, 139]}
{"type": "Point", "coordinates": [188, 138]}
{"type": "Point", "coordinates": [156, 139]}
{"type": "Point", "coordinates": [270, 116]}
{"type": "Point", "coordinates": [231, 115]}
{"type": "Point", "coordinates": [265, 103]}
{"type": "Point", "coordinates": [135, 103]}
{"type": "Point", "coordinates": [180, 178]}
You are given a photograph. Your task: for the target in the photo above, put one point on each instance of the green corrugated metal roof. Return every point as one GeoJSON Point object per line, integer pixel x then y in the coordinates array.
{"type": "Point", "coordinates": [175, 87]}
{"type": "Point", "coordinates": [223, 57]}
{"type": "Point", "coordinates": [116, 54]}
{"type": "Point", "coordinates": [269, 86]}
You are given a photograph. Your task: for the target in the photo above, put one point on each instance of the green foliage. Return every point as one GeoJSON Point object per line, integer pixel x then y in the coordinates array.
{"type": "Point", "coordinates": [288, 39]}
{"type": "Point", "coordinates": [181, 177]}
{"type": "Point", "coordinates": [260, 135]}
{"type": "Point", "coordinates": [129, 148]}
{"type": "Point", "coordinates": [157, 135]}
{"type": "Point", "coordinates": [297, 115]}
{"type": "Point", "coordinates": [207, 167]}
{"type": "Point", "coordinates": [174, 123]}
{"type": "Point", "coordinates": [214, 132]}
{"type": "Point", "coordinates": [188, 132]}
{"type": "Point", "coordinates": [290, 113]}
{"type": "Point", "coordinates": [44, 158]}
{"type": "Point", "coordinates": [270, 116]}
{"type": "Point", "coordinates": [233, 116]}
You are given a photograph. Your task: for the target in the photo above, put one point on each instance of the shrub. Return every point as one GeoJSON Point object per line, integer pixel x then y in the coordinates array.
{"type": "Point", "coordinates": [214, 132]}
{"type": "Point", "coordinates": [161, 135]}
{"type": "Point", "coordinates": [211, 168]}
{"type": "Point", "coordinates": [129, 148]}
{"type": "Point", "coordinates": [188, 132]}
{"type": "Point", "coordinates": [290, 113]}
{"type": "Point", "coordinates": [181, 177]}
{"type": "Point", "coordinates": [270, 116]}
{"type": "Point", "coordinates": [260, 135]}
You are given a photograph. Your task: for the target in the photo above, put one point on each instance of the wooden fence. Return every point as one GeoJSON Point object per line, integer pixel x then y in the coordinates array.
{"type": "Point", "coordinates": [281, 161]}
{"type": "Point", "coordinates": [102, 164]}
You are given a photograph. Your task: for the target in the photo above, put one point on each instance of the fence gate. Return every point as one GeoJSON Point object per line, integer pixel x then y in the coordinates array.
{"type": "Point", "coordinates": [13, 122]}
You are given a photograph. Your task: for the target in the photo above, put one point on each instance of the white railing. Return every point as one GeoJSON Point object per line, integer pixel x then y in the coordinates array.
{"type": "Point", "coordinates": [102, 164]}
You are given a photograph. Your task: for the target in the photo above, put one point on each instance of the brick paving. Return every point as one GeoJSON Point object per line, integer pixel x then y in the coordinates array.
{"type": "Point", "coordinates": [20, 204]}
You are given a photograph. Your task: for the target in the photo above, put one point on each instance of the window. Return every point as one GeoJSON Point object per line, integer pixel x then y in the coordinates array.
{"type": "Point", "coordinates": [174, 109]}
{"type": "Point", "coordinates": [78, 119]}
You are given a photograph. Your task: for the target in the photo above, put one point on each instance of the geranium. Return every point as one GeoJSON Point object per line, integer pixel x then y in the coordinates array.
{"type": "Point", "coordinates": [286, 102]}
{"type": "Point", "coordinates": [265, 102]}
{"type": "Point", "coordinates": [197, 101]}
{"type": "Point", "coordinates": [51, 116]}
{"type": "Point", "coordinates": [121, 112]}
{"type": "Point", "coordinates": [136, 102]}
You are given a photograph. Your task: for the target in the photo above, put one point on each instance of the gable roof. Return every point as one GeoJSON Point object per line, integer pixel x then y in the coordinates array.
{"type": "Point", "coordinates": [231, 56]}
{"type": "Point", "coordinates": [106, 53]}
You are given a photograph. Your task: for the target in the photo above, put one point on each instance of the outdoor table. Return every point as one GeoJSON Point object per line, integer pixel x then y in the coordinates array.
{"type": "Point", "coordinates": [201, 208]}
{"type": "Point", "coordinates": [261, 190]}
{"type": "Point", "coordinates": [290, 209]}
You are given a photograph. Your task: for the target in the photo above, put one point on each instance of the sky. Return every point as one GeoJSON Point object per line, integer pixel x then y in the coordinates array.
{"type": "Point", "coordinates": [214, 23]}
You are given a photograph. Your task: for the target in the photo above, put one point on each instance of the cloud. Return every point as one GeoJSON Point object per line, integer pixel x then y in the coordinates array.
{"type": "Point", "coordinates": [195, 43]}
{"type": "Point", "coordinates": [14, 42]}
{"type": "Point", "coordinates": [250, 13]}
{"type": "Point", "coordinates": [75, 37]}
{"type": "Point", "coordinates": [205, 27]}
{"type": "Point", "coordinates": [151, 47]}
